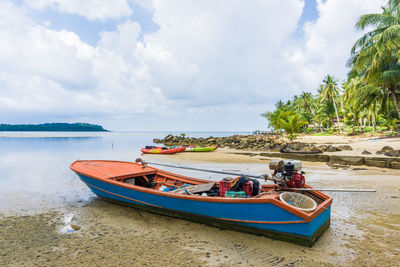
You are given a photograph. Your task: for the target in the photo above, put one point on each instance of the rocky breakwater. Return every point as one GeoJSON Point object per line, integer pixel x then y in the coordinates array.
{"type": "Point", "coordinates": [250, 142]}
{"type": "Point", "coordinates": [272, 146]}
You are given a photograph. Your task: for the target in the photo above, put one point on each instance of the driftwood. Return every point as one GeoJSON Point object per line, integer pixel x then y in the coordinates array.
{"type": "Point", "coordinates": [300, 151]}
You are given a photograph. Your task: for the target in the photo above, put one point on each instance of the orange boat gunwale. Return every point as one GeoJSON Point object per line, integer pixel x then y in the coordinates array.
{"type": "Point", "coordinates": [273, 199]}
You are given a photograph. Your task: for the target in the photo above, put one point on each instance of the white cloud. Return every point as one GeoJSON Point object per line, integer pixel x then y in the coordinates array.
{"type": "Point", "coordinates": [43, 71]}
{"type": "Point", "coordinates": [327, 42]}
{"type": "Point", "coordinates": [209, 61]}
{"type": "Point", "coordinates": [90, 9]}
{"type": "Point", "coordinates": [214, 52]}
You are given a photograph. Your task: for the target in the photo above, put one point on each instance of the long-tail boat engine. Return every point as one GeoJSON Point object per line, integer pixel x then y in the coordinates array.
{"type": "Point", "coordinates": [287, 173]}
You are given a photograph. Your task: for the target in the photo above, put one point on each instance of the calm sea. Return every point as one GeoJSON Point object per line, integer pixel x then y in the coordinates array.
{"type": "Point", "coordinates": [34, 166]}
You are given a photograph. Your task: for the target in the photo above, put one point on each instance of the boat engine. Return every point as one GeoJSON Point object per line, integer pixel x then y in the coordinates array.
{"type": "Point", "coordinates": [287, 173]}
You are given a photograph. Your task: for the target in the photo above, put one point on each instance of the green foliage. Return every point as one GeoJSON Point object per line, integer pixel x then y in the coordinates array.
{"type": "Point", "coordinates": [292, 124]}
{"type": "Point", "coordinates": [368, 100]}
{"type": "Point", "coordinates": [391, 124]}
{"type": "Point", "coordinates": [308, 130]}
{"type": "Point", "coordinates": [321, 134]}
{"type": "Point", "coordinates": [375, 56]}
{"type": "Point", "coordinates": [58, 127]}
{"type": "Point", "coordinates": [183, 134]}
{"type": "Point", "coordinates": [276, 118]}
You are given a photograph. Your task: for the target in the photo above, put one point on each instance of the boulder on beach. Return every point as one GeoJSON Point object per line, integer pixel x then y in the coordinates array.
{"type": "Point", "coordinates": [345, 147]}
{"type": "Point", "coordinates": [386, 149]}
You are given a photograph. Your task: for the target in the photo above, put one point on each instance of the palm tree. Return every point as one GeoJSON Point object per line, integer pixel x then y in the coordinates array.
{"type": "Point", "coordinates": [328, 92]}
{"type": "Point", "coordinates": [292, 124]}
{"type": "Point", "coordinates": [306, 106]}
{"type": "Point", "coordinates": [352, 109]}
{"type": "Point", "coordinates": [376, 55]}
{"type": "Point", "coordinates": [274, 119]}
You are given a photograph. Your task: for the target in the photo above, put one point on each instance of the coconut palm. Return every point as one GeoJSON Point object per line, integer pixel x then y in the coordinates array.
{"type": "Point", "coordinates": [292, 124]}
{"type": "Point", "coordinates": [376, 55]}
{"type": "Point", "coordinates": [328, 92]}
{"type": "Point", "coordinates": [275, 118]}
{"type": "Point", "coordinates": [352, 109]}
{"type": "Point", "coordinates": [305, 105]}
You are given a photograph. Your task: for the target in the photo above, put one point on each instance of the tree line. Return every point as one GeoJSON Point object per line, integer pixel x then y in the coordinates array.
{"type": "Point", "coordinates": [367, 98]}
{"type": "Point", "coordinates": [54, 127]}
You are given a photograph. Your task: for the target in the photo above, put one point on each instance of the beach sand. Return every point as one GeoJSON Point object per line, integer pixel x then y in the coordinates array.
{"type": "Point", "coordinates": [364, 229]}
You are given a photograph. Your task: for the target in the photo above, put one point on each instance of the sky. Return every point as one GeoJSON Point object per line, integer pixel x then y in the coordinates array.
{"type": "Point", "coordinates": [168, 65]}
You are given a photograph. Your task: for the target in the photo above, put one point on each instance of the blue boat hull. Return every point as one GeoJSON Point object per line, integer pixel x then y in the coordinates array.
{"type": "Point", "coordinates": [258, 218]}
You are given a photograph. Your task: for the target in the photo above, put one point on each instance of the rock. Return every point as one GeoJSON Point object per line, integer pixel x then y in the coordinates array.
{"type": "Point", "coordinates": [346, 160]}
{"type": "Point", "coordinates": [345, 147]}
{"type": "Point", "coordinates": [277, 147]}
{"type": "Point", "coordinates": [379, 152]}
{"type": "Point", "coordinates": [328, 148]}
{"type": "Point", "coordinates": [365, 152]}
{"type": "Point", "coordinates": [169, 137]}
{"type": "Point", "coordinates": [266, 146]}
{"type": "Point", "coordinates": [373, 162]}
{"type": "Point", "coordinates": [386, 149]}
{"type": "Point", "coordinates": [299, 156]}
{"type": "Point", "coordinates": [294, 146]}
{"type": "Point", "coordinates": [211, 141]}
{"type": "Point", "coordinates": [331, 148]}
{"type": "Point", "coordinates": [75, 227]}
{"type": "Point", "coordinates": [392, 153]}
{"type": "Point", "coordinates": [323, 148]}
{"type": "Point", "coordinates": [311, 148]}
{"type": "Point", "coordinates": [395, 165]}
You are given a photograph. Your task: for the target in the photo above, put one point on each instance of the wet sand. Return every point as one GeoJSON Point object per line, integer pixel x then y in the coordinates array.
{"type": "Point", "coordinates": [364, 228]}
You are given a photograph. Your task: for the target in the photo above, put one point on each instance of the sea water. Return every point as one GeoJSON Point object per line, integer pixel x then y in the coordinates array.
{"type": "Point", "coordinates": [34, 166]}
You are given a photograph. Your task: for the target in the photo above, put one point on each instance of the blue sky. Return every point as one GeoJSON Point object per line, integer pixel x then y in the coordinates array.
{"type": "Point", "coordinates": [168, 65]}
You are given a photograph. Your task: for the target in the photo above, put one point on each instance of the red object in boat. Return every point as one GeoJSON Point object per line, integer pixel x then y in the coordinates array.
{"type": "Point", "coordinates": [297, 181]}
{"type": "Point", "coordinates": [224, 186]}
{"type": "Point", "coordinates": [248, 189]}
{"type": "Point", "coordinates": [159, 150]}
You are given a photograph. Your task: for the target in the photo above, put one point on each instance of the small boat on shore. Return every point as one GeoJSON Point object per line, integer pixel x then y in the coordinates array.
{"type": "Point", "coordinates": [200, 148]}
{"type": "Point", "coordinates": [161, 150]}
{"type": "Point", "coordinates": [181, 148]}
{"type": "Point", "coordinates": [270, 211]}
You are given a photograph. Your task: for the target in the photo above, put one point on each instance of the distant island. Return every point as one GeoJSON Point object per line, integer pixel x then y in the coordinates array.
{"type": "Point", "coordinates": [54, 127]}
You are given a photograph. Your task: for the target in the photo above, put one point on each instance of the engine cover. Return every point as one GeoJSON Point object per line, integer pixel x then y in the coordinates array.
{"type": "Point", "coordinates": [297, 181]}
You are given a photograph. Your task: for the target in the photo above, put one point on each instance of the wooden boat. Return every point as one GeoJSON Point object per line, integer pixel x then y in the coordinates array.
{"type": "Point", "coordinates": [161, 150]}
{"type": "Point", "coordinates": [200, 148]}
{"type": "Point", "coordinates": [266, 214]}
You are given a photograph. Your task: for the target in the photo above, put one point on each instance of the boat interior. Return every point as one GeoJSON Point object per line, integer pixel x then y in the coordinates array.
{"type": "Point", "coordinates": [174, 183]}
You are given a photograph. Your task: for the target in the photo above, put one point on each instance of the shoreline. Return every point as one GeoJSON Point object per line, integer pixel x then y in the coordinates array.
{"type": "Point", "coordinates": [334, 150]}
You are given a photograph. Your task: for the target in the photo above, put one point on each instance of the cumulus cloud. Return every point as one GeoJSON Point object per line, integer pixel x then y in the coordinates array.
{"type": "Point", "coordinates": [208, 61]}
{"type": "Point", "coordinates": [325, 47]}
{"type": "Point", "coordinates": [44, 71]}
{"type": "Point", "coordinates": [90, 9]}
